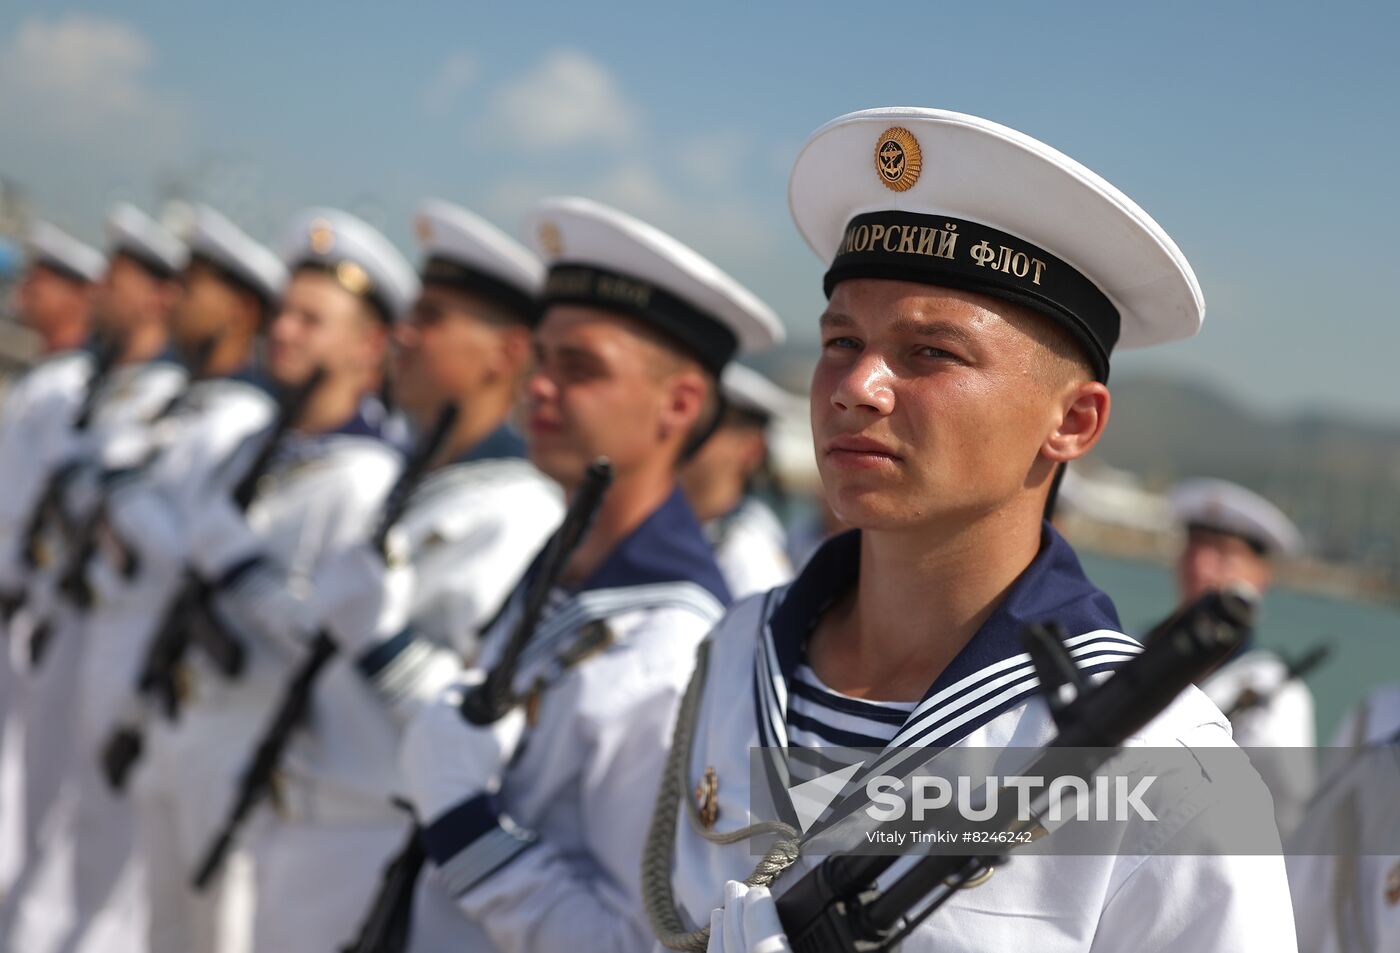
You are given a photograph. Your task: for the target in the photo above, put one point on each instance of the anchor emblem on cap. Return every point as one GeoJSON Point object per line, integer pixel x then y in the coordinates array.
{"type": "Point", "coordinates": [898, 159]}
{"type": "Point", "coordinates": [892, 160]}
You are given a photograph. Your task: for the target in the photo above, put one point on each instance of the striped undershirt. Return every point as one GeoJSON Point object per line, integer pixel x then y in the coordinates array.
{"type": "Point", "coordinates": [821, 717]}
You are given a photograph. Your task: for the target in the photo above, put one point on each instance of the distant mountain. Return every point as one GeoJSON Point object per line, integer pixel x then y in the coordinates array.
{"type": "Point", "coordinates": [1339, 479]}
{"type": "Point", "coordinates": [1175, 428]}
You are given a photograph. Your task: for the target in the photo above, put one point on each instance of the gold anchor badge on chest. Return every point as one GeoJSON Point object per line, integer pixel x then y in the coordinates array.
{"type": "Point", "coordinates": [707, 799]}
{"type": "Point", "coordinates": [1392, 886]}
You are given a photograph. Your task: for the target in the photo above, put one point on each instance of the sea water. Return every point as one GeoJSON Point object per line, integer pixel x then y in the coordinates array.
{"type": "Point", "coordinates": [1365, 636]}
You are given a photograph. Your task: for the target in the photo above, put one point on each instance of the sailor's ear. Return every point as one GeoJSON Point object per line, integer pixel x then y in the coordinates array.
{"type": "Point", "coordinates": [1083, 414]}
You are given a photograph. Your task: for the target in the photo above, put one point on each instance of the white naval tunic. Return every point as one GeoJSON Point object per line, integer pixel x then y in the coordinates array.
{"type": "Point", "coordinates": [321, 494]}
{"type": "Point", "coordinates": [1342, 862]}
{"type": "Point", "coordinates": [471, 529]}
{"type": "Point", "coordinates": [987, 697]}
{"type": "Point", "coordinates": [751, 548]}
{"type": "Point", "coordinates": [43, 714]}
{"type": "Point", "coordinates": [40, 399]}
{"type": "Point", "coordinates": [1286, 720]}
{"type": "Point", "coordinates": [90, 892]}
{"type": "Point", "coordinates": [584, 781]}
{"type": "Point", "coordinates": [44, 397]}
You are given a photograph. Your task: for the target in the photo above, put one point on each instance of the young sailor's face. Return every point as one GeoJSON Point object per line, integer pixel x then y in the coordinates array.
{"type": "Point", "coordinates": [444, 351]}
{"type": "Point", "coordinates": [1211, 561]}
{"type": "Point", "coordinates": [126, 296]}
{"type": "Point", "coordinates": [207, 306]}
{"type": "Point", "coordinates": [43, 298]}
{"type": "Point", "coordinates": [928, 404]}
{"type": "Point", "coordinates": [595, 390]}
{"type": "Point", "coordinates": [320, 324]}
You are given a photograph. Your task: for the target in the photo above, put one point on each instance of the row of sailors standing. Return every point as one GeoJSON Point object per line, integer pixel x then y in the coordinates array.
{"type": "Point", "coordinates": [947, 395]}
{"type": "Point", "coordinates": [130, 296]}
{"type": "Point", "coordinates": [332, 301]}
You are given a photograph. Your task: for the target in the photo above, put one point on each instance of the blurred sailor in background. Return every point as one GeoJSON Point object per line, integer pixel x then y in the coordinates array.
{"type": "Point", "coordinates": [403, 626]}
{"type": "Point", "coordinates": [97, 421]}
{"type": "Point", "coordinates": [91, 894]}
{"type": "Point", "coordinates": [348, 286]}
{"type": "Point", "coordinates": [54, 299]}
{"type": "Point", "coordinates": [722, 478]}
{"type": "Point", "coordinates": [1234, 537]}
{"type": "Point", "coordinates": [536, 842]}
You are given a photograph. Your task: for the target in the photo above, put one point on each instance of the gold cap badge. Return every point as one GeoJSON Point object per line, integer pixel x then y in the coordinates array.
{"type": "Point", "coordinates": [551, 242]}
{"type": "Point", "coordinates": [898, 159]}
{"type": "Point", "coordinates": [321, 235]}
{"type": "Point", "coordinates": [352, 278]}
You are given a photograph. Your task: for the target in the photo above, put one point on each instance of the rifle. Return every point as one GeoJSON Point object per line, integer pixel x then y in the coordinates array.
{"type": "Point", "coordinates": [1248, 699]}
{"type": "Point", "coordinates": [836, 906]}
{"type": "Point", "coordinates": [159, 677]}
{"type": "Point", "coordinates": [104, 361]}
{"type": "Point", "coordinates": [489, 701]}
{"type": "Point", "coordinates": [73, 581]}
{"type": "Point", "coordinates": [256, 781]}
{"type": "Point", "coordinates": [386, 926]}
{"type": "Point", "coordinates": [32, 549]}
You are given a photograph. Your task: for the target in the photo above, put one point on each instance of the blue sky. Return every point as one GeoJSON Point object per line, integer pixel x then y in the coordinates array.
{"type": "Point", "coordinates": [1263, 137]}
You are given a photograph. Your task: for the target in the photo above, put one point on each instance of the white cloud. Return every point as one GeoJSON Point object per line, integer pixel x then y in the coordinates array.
{"type": "Point", "coordinates": [569, 99]}
{"type": "Point", "coordinates": [569, 102]}
{"type": "Point", "coordinates": [82, 81]}
{"type": "Point", "coordinates": [454, 77]}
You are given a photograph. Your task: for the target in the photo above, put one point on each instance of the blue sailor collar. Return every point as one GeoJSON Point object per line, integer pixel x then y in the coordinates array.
{"type": "Point", "coordinates": [665, 561]}
{"type": "Point", "coordinates": [503, 443]}
{"type": "Point", "coordinates": [250, 375]}
{"type": "Point", "coordinates": [1053, 588]}
{"type": "Point", "coordinates": [302, 447]}
{"type": "Point", "coordinates": [668, 546]}
{"type": "Point", "coordinates": [359, 425]}
{"type": "Point", "coordinates": [991, 674]}
{"type": "Point", "coordinates": [167, 356]}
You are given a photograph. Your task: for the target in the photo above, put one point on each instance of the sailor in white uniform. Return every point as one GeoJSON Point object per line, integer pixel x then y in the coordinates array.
{"type": "Point", "coordinates": [536, 844]}
{"type": "Point", "coordinates": [91, 895]}
{"type": "Point", "coordinates": [1344, 857]}
{"type": "Point", "coordinates": [1233, 537]}
{"type": "Point", "coordinates": [750, 543]}
{"type": "Point", "coordinates": [130, 315]}
{"type": "Point", "coordinates": [54, 299]}
{"type": "Point", "coordinates": [348, 285]}
{"type": "Point", "coordinates": [963, 361]}
{"type": "Point", "coordinates": [467, 535]}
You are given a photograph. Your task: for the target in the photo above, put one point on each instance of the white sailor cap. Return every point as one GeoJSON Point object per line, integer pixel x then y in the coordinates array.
{"type": "Point", "coordinates": [749, 392]}
{"type": "Point", "coordinates": [464, 251]}
{"type": "Point", "coordinates": [135, 235]}
{"type": "Point", "coordinates": [1225, 507]}
{"type": "Point", "coordinates": [220, 243]}
{"type": "Point", "coordinates": [58, 251]}
{"type": "Point", "coordinates": [599, 256]}
{"type": "Point", "coordinates": [915, 194]}
{"type": "Point", "coordinates": [356, 255]}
